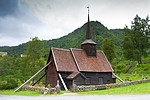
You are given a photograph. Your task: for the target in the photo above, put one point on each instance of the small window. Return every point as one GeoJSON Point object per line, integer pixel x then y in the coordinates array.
{"type": "Point", "coordinates": [100, 79]}
{"type": "Point", "coordinates": [88, 80]}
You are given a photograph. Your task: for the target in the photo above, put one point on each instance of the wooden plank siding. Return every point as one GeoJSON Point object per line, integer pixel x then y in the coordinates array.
{"type": "Point", "coordinates": [51, 74]}
{"type": "Point", "coordinates": [95, 78]}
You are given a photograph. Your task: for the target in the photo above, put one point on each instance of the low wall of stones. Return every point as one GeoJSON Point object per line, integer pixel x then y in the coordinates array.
{"type": "Point", "coordinates": [42, 90]}
{"type": "Point", "coordinates": [33, 88]}
{"type": "Point", "coordinates": [107, 86]}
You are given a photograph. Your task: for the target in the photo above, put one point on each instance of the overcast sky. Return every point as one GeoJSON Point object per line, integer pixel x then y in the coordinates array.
{"type": "Point", "coordinates": [21, 20]}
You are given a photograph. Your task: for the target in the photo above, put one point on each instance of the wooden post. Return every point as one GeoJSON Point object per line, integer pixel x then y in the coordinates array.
{"type": "Point", "coordinates": [118, 78]}
{"type": "Point", "coordinates": [38, 79]}
{"type": "Point", "coordinates": [62, 82]}
{"type": "Point", "coordinates": [31, 77]}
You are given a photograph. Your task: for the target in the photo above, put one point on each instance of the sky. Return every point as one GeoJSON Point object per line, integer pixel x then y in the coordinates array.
{"type": "Point", "coordinates": [21, 20]}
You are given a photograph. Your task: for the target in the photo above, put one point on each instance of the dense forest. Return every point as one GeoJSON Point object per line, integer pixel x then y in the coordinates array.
{"type": "Point", "coordinates": [126, 49]}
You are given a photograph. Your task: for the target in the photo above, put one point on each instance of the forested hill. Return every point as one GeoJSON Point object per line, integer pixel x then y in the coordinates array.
{"type": "Point", "coordinates": [74, 39]}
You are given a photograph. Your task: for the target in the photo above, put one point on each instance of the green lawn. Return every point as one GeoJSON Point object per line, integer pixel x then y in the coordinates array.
{"type": "Point", "coordinates": [25, 93]}
{"type": "Point", "coordinates": [134, 89]}
{"type": "Point", "coordinates": [21, 93]}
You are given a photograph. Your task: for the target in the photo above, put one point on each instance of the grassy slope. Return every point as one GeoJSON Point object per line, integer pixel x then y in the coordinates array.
{"type": "Point", "coordinates": [134, 89]}
{"type": "Point", "coordinates": [132, 77]}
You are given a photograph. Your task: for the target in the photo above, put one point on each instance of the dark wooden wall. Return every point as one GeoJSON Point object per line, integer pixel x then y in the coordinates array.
{"type": "Point", "coordinates": [51, 74]}
{"type": "Point", "coordinates": [95, 78]}
{"type": "Point", "coordinates": [79, 80]}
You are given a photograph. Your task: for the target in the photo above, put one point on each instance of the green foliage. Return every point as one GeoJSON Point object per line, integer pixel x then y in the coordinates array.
{"type": "Point", "coordinates": [135, 43]}
{"type": "Point", "coordinates": [109, 48]}
{"type": "Point", "coordinates": [142, 68]}
{"type": "Point", "coordinates": [8, 66]}
{"type": "Point", "coordinates": [22, 68]}
{"type": "Point", "coordinates": [120, 68]}
{"type": "Point", "coordinates": [133, 76]}
{"type": "Point", "coordinates": [72, 40]}
{"type": "Point", "coordinates": [34, 61]}
{"type": "Point", "coordinates": [15, 70]}
{"type": "Point", "coordinates": [8, 83]}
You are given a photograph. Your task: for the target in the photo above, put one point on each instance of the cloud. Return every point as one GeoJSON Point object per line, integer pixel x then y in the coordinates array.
{"type": "Point", "coordinates": [10, 9]}
{"type": "Point", "coordinates": [48, 19]}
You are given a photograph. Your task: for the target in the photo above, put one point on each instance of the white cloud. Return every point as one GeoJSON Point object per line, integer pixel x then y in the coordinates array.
{"type": "Point", "coordinates": [50, 19]}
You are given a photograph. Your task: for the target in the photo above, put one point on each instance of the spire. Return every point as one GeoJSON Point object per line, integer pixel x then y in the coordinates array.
{"type": "Point", "coordinates": [88, 34]}
{"type": "Point", "coordinates": [89, 46]}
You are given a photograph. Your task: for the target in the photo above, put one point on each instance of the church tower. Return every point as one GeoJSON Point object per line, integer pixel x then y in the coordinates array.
{"type": "Point", "coordinates": [89, 46]}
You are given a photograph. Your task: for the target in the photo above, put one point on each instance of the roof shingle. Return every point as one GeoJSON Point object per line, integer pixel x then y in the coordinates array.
{"type": "Point", "coordinates": [64, 60]}
{"type": "Point", "coordinates": [91, 64]}
{"type": "Point", "coordinates": [75, 60]}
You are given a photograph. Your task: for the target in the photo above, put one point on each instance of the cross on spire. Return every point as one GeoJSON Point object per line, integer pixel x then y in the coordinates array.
{"type": "Point", "coordinates": [88, 9]}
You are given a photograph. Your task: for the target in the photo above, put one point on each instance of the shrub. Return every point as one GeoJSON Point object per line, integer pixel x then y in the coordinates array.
{"type": "Point", "coordinates": [120, 68]}
{"type": "Point", "coordinates": [8, 83]}
{"type": "Point", "coordinates": [142, 68]}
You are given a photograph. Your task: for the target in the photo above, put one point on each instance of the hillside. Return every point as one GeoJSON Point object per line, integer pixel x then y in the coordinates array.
{"type": "Point", "coordinates": [74, 39]}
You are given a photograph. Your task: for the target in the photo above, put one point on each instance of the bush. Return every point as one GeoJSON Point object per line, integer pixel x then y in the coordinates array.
{"type": "Point", "coordinates": [142, 68]}
{"type": "Point", "coordinates": [120, 68]}
{"type": "Point", "coordinates": [8, 83]}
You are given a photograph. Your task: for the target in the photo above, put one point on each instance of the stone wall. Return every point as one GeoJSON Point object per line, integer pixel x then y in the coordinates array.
{"type": "Point", "coordinates": [107, 86]}
{"type": "Point", "coordinates": [33, 88]}
{"type": "Point", "coordinates": [42, 90]}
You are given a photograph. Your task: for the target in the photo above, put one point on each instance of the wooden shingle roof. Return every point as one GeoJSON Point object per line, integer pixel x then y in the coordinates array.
{"type": "Point", "coordinates": [75, 60]}
{"type": "Point", "coordinates": [91, 64]}
{"type": "Point", "coordinates": [63, 60]}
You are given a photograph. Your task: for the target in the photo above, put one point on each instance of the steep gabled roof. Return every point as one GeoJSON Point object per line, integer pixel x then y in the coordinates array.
{"type": "Point", "coordinates": [75, 60]}
{"type": "Point", "coordinates": [63, 60]}
{"type": "Point", "coordinates": [91, 64]}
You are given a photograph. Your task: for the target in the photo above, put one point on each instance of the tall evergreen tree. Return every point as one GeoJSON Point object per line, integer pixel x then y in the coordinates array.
{"type": "Point", "coordinates": [135, 43]}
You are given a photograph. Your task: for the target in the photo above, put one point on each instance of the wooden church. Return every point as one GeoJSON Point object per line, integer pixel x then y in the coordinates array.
{"type": "Point", "coordinates": [84, 66]}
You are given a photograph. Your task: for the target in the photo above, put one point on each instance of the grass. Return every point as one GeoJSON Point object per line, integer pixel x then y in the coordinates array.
{"type": "Point", "coordinates": [21, 93]}
{"type": "Point", "coordinates": [134, 89]}
{"type": "Point", "coordinates": [132, 77]}
{"type": "Point", "coordinates": [25, 93]}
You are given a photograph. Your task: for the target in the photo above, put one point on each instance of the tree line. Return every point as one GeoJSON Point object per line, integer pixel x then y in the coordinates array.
{"type": "Point", "coordinates": [135, 45]}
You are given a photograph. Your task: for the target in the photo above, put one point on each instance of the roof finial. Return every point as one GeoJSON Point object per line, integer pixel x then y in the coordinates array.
{"type": "Point", "coordinates": [88, 34]}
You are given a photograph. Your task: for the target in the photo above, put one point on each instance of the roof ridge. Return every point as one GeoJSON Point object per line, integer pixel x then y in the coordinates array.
{"type": "Point", "coordinates": [74, 58]}
{"type": "Point", "coordinates": [75, 49]}
{"type": "Point", "coordinates": [60, 49]}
